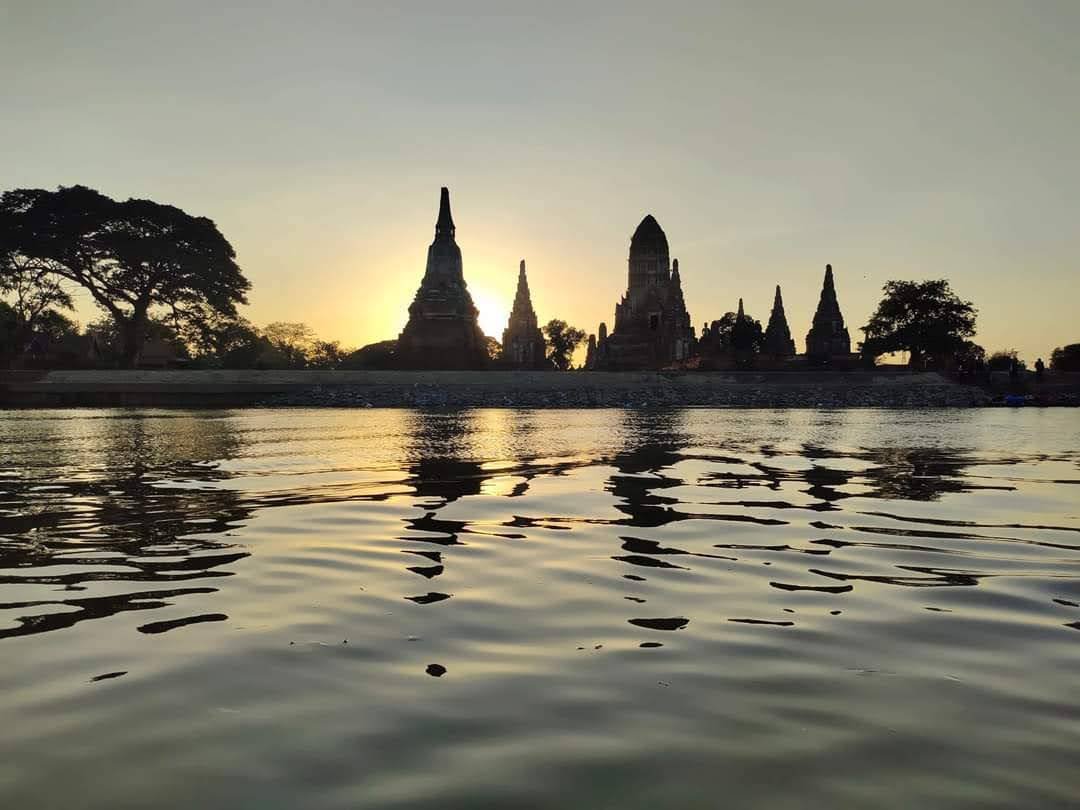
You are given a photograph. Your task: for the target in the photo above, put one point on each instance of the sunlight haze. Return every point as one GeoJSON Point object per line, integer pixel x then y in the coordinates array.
{"type": "Point", "coordinates": [908, 141]}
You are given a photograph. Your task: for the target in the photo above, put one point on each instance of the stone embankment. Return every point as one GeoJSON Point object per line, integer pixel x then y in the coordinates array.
{"type": "Point", "coordinates": [493, 389]}
{"type": "Point", "coordinates": [654, 393]}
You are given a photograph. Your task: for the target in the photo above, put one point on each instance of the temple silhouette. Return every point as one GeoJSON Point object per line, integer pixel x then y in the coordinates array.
{"type": "Point", "coordinates": [522, 341]}
{"type": "Point", "coordinates": [828, 337]}
{"type": "Point", "coordinates": [442, 332]}
{"type": "Point", "coordinates": [652, 327]}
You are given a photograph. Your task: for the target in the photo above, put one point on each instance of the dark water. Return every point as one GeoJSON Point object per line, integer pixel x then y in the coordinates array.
{"type": "Point", "coordinates": [338, 609]}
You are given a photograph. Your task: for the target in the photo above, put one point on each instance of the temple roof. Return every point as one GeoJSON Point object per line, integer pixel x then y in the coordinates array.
{"type": "Point", "coordinates": [649, 237]}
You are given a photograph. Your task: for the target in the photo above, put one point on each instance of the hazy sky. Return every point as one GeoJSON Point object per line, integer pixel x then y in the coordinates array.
{"type": "Point", "coordinates": [894, 140]}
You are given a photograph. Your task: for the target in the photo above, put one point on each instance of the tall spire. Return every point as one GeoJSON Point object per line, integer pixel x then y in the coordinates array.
{"type": "Point", "coordinates": [522, 341]}
{"type": "Point", "coordinates": [828, 336]}
{"type": "Point", "coordinates": [741, 314]}
{"type": "Point", "coordinates": [442, 331]}
{"type": "Point", "coordinates": [778, 340]}
{"type": "Point", "coordinates": [444, 226]}
{"type": "Point", "coordinates": [523, 307]}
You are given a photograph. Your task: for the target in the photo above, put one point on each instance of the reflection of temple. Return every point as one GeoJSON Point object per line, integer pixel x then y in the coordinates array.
{"type": "Point", "coordinates": [652, 326]}
{"type": "Point", "coordinates": [652, 443]}
{"type": "Point", "coordinates": [439, 463]}
{"type": "Point", "coordinates": [522, 342]}
{"type": "Point", "coordinates": [442, 331]}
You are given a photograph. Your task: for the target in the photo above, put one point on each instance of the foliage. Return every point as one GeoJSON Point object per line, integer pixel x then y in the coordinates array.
{"type": "Point", "coordinates": [132, 257]}
{"type": "Point", "coordinates": [562, 340]}
{"type": "Point", "coordinates": [925, 318]}
{"type": "Point", "coordinates": [327, 354]}
{"type": "Point", "coordinates": [748, 338]}
{"type": "Point", "coordinates": [969, 358]}
{"type": "Point", "coordinates": [374, 355]}
{"type": "Point", "coordinates": [1003, 359]}
{"type": "Point", "coordinates": [108, 339]}
{"type": "Point", "coordinates": [494, 348]}
{"type": "Point", "coordinates": [295, 342]}
{"type": "Point", "coordinates": [1066, 358]}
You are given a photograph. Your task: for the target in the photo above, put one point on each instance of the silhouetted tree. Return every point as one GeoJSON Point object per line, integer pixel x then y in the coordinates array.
{"type": "Point", "coordinates": [751, 335]}
{"type": "Point", "coordinates": [218, 341]}
{"type": "Point", "coordinates": [562, 340]}
{"type": "Point", "coordinates": [1066, 358]}
{"type": "Point", "coordinates": [969, 358]}
{"type": "Point", "coordinates": [374, 355]}
{"type": "Point", "coordinates": [33, 293]}
{"type": "Point", "coordinates": [1003, 359]}
{"type": "Point", "coordinates": [111, 343]}
{"type": "Point", "coordinates": [327, 354]}
{"type": "Point", "coordinates": [294, 341]}
{"type": "Point", "coordinates": [924, 318]}
{"type": "Point", "coordinates": [132, 257]}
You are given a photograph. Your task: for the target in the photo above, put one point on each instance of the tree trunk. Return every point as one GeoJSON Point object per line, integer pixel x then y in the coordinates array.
{"type": "Point", "coordinates": [133, 335]}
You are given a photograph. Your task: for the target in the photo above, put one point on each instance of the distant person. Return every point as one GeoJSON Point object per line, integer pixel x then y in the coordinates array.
{"type": "Point", "coordinates": [1014, 369]}
{"type": "Point", "coordinates": [1040, 369]}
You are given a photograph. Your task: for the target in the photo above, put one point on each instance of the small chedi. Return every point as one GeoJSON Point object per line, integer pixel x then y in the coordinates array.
{"type": "Point", "coordinates": [443, 331]}
{"type": "Point", "coordinates": [828, 337]}
{"type": "Point", "coordinates": [522, 342]}
{"type": "Point", "coordinates": [778, 342]}
{"type": "Point", "coordinates": [652, 327]}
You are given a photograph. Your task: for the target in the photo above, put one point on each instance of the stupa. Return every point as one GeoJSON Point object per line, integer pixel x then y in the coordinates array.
{"type": "Point", "coordinates": [443, 331]}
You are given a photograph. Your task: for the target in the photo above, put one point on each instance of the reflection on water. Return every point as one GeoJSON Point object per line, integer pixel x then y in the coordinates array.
{"type": "Point", "coordinates": [251, 599]}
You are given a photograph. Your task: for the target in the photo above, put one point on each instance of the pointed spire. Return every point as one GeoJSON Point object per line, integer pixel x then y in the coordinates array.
{"type": "Point", "coordinates": [523, 307]}
{"type": "Point", "coordinates": [778, 340]}
{"type": "Point", "coordinates": [444, 226]}
{"type": "Point", "coordinates": [674, 269]}
{"type": "Point", "coordinates": [828, 336]}
{"type": "Point", "coordinates": [742, 331]}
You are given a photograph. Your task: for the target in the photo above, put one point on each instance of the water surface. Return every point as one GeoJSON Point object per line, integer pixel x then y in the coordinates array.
{"type": "Point", "coordinates": [388, 608]}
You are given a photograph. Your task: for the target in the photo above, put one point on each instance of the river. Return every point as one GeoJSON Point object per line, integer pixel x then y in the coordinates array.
{"type": "Point", "coordinates": [498, 608]}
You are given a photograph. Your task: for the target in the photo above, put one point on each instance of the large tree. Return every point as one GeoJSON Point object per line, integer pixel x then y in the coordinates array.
{"type": "Point", "coordinates": [132, 257]}
{"type": "Point", "coordinates": [748, 337]}
{"type": "Point", "coordinates": [924, 318]}
{"type": "Point", "coordinates": [562, 340]}
{"type": "Point", "coordinates": [1066, 358]}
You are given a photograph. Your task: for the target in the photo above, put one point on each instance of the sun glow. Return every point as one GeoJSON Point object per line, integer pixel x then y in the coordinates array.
{"type": "Point", "coordinates": [494, 312]}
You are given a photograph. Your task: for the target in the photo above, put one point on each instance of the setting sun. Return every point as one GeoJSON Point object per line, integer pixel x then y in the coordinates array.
{"type": "Point", "coordinates": [493, 311]}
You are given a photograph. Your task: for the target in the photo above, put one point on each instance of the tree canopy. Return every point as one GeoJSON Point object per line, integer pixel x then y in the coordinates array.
{"type": "Point", "coordinates": [132, 257]}
{"type": "Point", "coordinates": [924, 318]}
{"type": "Point", "coordinates": [1066, 358]}
{"type": "Point", "coordinates": [562, 340]}
{"type": "Point", "coordinates": [1004, 360]}
{"type": "Point", "coordinates": [746, 336]}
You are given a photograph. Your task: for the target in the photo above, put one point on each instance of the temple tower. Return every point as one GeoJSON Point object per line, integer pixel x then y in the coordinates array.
{"type": "Point", "coordinates": [778, 342]}
{"type": "Point", "coordinates": [522, 341]}
{"type": "Point", "coordinates": [828, 337]}
{"type": "Point", "coordinates": [652, 328]}
{"type": "Point", "coordinates": [442, 331]}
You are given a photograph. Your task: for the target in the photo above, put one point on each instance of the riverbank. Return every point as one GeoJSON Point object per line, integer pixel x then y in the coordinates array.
{"type": "Point", "coordinates": [492, 389]}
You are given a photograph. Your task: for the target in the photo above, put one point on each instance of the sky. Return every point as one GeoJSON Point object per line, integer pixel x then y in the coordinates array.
{"type": "Point", "coordinates": [893, 140]}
